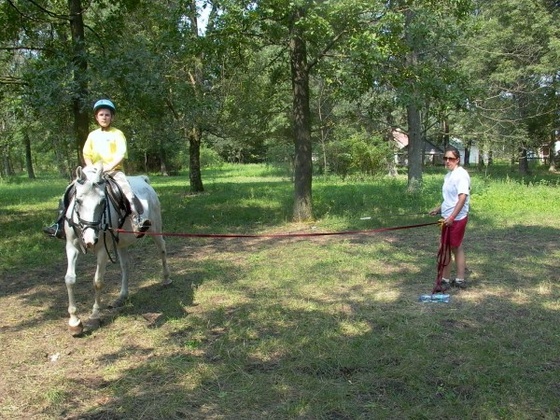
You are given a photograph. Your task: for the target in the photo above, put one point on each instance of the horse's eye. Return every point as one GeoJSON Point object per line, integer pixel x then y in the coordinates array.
{"type": "Point", "coordinates": [78, 201]}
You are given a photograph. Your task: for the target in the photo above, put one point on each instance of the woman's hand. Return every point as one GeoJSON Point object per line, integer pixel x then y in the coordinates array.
{"type": "Point", "coordinates": [435, 211]}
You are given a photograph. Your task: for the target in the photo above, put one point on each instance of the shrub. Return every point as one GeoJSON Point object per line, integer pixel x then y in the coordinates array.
{"type": "Point", "coordinates": [359, 153]}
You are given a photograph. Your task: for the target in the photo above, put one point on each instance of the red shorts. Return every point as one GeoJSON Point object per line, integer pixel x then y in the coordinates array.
{"type": "Point", "coordinates": [457, 232]}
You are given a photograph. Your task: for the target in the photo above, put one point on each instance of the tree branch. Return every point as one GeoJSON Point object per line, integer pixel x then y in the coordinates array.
{"type": "Point", "coordinates": [48, 12]}
{"type": "Point", "coordinates": [327, 48]}
{"type": "Point", "coordinates": [10, 80]}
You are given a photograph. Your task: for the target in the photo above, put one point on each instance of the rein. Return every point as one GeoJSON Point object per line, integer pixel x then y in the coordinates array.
{"type": "Point", "coordinates": [114, 197]}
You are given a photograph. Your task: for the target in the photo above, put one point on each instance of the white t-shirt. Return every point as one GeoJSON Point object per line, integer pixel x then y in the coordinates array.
{"type": "Point", "coordinates": [455, 182]}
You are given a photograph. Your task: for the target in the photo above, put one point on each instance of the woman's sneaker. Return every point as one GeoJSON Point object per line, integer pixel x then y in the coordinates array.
{"type": "Point", "coordinates": [459, 284]}
{"type": "Point", "coordinates": [443, 286]}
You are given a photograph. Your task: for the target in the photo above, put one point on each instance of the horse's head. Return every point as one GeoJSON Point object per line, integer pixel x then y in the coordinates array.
{"type": "Point", "coordinates": [90, 202]}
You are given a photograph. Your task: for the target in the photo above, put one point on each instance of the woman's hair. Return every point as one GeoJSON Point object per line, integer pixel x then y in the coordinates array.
{"type": "Point", "coordinates": [453, 150]}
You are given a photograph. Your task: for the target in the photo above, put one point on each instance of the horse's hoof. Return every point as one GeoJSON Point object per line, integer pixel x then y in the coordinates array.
{"type": "Point", "coordinates": [166, 282]}
{"type": "Point", "coordinates": [93, 323]}
{"type": "Point", "coordinates": [76, 330]}
{"type": "Point", "coordinates": [117, 303]}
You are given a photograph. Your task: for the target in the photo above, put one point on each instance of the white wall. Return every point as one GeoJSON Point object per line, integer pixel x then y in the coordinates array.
{"type": "Point", "coordinates": [474, 152]}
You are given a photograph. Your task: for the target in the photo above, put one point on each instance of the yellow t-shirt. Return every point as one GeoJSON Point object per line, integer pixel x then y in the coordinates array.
{"type": "Point", "coordinates": [105, 146]}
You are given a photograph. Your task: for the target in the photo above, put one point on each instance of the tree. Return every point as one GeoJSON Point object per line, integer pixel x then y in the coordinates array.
{"type": "Point", "coordinates": [190, 61]}
{"type": "Point", "coordinates": [303, 167]}
{"type": "Point", "coordinates": [413, 104]}
{"type": "Point", "coordinates": [427, 75]}
{"type": "Point", "coordinates": [405, 58]}
{"type": "Point", "coordinates": [306, 32]}
{"type": "Point", "coordinates": [69, 56]}
{"type": "Point", "coordinates": [79, 92]}
{"type": "Point", "coordinates": [513, 62]}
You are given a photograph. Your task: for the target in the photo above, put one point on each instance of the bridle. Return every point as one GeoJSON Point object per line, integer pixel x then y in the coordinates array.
{"type": "Point", "coordinates": [84, 224]}
{"type": "Point", "coordinates": [102, 223]}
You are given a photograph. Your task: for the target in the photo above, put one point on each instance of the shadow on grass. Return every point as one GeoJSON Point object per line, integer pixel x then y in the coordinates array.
{"type": "Point", "coordinates": [318, 328]}
{"type": "Point", "coordinates": [359, 349]}
{"type": "Point", "coordinates": [387, 366]}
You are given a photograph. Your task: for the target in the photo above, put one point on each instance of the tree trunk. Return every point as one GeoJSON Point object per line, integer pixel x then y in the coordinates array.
{"type": "Point", "coordinates": [552, 153]}
{"type": "Point", "coordinates": [162, 159]}
{"type": "Point", "coordinates": [414, 148]}
{"type": "Point", "coordinates": [7, 169]}
{"type": "Point", "coordinates": [323, 105]}
{"type": "Point", "coordinates": [391, 161]}
{"type": "Point", "coordinates": [413, 115]}
{"type": "Point", "coordinates": [303, 167]}
{"type": "Point", "coordinates": [467, 157]}
{"type": "Point", "coordinates": [195, 175]}
{"type": "Point", "coordinates": [445, 133]}
{"type": "Point", "coordinates": [28, 158]}
{"type": "Point", "coordinates": [195, 133]}
{"type": "Point", "coordinates": [523, 162]}
{"type": "Point", "coordinates": [80, 70]}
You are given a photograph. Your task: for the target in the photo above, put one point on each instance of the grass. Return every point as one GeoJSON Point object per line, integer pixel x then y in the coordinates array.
{"type": "Point", "coordinates": [315, 328]}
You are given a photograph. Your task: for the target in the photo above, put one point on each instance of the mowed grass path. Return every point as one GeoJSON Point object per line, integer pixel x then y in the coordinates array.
{"type": "Point", "coordinates": [282, 328]}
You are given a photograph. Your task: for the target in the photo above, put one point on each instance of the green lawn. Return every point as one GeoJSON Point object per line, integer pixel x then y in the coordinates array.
{"type": "Point", "coordinates": [281, 328]}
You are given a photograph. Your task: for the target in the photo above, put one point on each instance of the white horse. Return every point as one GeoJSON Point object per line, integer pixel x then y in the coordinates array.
{"type": "Point", "coordinates": [90, 223]}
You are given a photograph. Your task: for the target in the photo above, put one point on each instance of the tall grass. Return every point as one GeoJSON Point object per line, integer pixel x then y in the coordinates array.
{"type": "Point", "coordinates": [317, 328]}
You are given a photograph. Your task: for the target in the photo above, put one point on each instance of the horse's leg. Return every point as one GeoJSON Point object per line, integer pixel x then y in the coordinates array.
{"type": "Point", "coordinates": [74, 323]}
{"type": "Point", "coordinates": [160, 243]}
{"type": "Point", "coordinates": [98, 283]}
{"type": "Point", "coordinates": [124, 262]}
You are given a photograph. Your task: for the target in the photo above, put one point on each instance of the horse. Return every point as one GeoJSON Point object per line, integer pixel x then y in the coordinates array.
{"type": "Point", "coordinates": [91, 224]}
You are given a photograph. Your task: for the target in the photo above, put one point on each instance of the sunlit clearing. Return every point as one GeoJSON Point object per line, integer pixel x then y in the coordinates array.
{"type": "Point", "coordinates": [354, 329]}
{"type": "Point", "coordinates": [544, 288]}
{"type": "Point", "coordinates": [552, 306]}
{"type": "Point", "coordinates": [387, 296]}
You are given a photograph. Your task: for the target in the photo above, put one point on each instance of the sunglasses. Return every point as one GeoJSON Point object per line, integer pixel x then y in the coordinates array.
{"type": "Point", "coordinates": [445, 158]}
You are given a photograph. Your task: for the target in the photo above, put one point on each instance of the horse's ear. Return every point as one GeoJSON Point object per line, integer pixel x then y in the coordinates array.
{"type": "Point", "coordinates": [80, 176]}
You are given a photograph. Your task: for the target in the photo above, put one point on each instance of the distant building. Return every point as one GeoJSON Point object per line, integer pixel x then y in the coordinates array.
{"type": "Point", "coordinates": [544, 153]}
{"type": "Point", "coordinates": [431, 154]}
{"type": "Point", "coordinates": [474, 152]}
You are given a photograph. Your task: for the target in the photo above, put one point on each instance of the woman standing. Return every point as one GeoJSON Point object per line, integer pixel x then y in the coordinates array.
{"type": "Point", "coordinates": [455, 213]}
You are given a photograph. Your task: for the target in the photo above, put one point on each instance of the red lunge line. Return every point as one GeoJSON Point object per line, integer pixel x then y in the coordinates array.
{"type": "Point", "coordinates": [278, 235]}
{"type": "Point", "coordinates": [443, 256]}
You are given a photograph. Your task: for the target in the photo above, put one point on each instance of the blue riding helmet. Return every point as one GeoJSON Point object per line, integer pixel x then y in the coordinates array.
{"type": "Point", "coordinates": [104, 103]}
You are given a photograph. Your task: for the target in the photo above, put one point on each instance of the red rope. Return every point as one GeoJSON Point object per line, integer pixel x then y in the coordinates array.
{"type": "Point", "coordinates": [443, 256]}
{"type": "Point", "coordinates": [277, 235]}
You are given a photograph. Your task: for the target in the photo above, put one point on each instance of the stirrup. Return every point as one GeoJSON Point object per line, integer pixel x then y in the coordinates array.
{"type": "Point", "coordinates": [54, 231]}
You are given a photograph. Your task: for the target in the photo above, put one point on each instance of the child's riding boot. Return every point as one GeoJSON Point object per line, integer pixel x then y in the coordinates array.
{"type": "Point", "coordinates": [56, 230]}
{"type": "Point", "coordinates": [140, 225]}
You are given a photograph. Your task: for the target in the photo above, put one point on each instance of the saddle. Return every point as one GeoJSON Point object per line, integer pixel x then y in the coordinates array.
{"type": "Point", "coordinates": [115, 194]}
{"type": "Point", "coordinates": [119, 200]}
